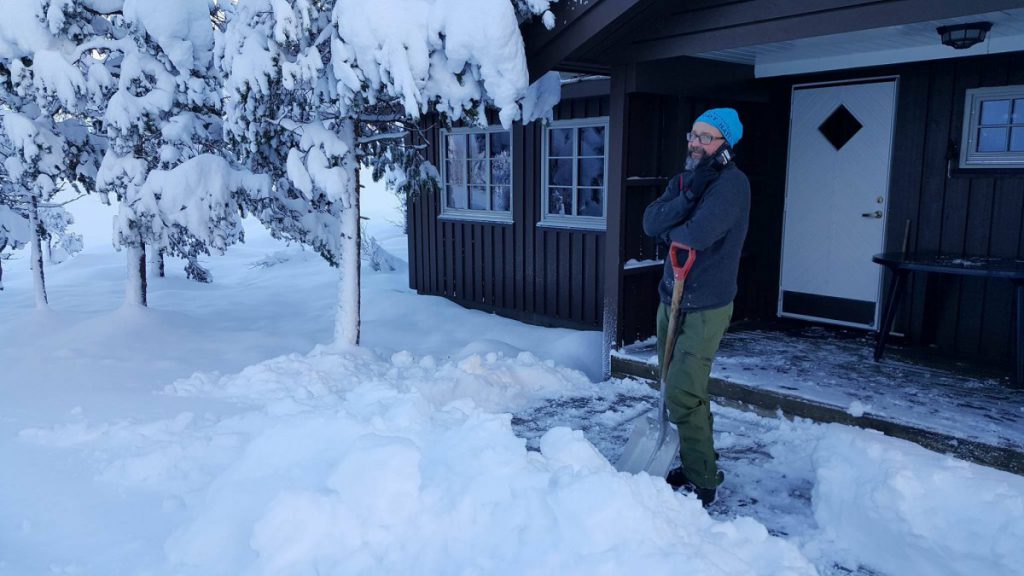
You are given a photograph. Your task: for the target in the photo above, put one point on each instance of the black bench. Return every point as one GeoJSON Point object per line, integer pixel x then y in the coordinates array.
{"type": "Point", "coordinates": [900, 266]}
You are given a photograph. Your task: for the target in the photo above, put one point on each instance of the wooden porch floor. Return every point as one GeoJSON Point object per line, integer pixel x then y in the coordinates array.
{"type": "Point", "coordinates": [828, 375]}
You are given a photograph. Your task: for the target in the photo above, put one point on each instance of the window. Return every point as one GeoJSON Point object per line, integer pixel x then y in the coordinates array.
{"type": "Point", "coordinates": [575, 167]}
{"type": "Point", "coordinates": [993, 128]}
{"type": "Point", "coordinates": [476, 170]}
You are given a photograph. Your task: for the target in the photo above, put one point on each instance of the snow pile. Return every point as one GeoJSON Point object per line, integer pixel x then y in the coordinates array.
{"type": "Point", "coordinates": [445, 53]}
{"type": "Point", "coordinates": [541, 97]}
{"type": "Point", "coordinates": [912, 513]}
{"type": "Point", "coordinates": [181, 29]}
{"type": "Point", "coordinates": [358, 465]}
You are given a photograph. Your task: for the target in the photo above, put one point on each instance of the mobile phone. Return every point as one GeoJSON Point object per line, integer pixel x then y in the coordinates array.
{"type": "Point", "coordinates": [724, 156]}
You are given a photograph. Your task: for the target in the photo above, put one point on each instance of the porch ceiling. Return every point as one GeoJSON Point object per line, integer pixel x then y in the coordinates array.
{"type": "Point", "coordinates": [878, 46]}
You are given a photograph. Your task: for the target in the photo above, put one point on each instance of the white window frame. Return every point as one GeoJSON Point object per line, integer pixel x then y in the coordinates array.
{"type": "Point", "coordinates": [488, 215]}
{"type": "Point", "coordinates": [571, 221]}
{"type": "Point", "coordinates": [969, 156]}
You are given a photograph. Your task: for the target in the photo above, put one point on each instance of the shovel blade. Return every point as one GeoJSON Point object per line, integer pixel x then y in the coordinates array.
{"type": "Point", "coordinates": [645, 452]}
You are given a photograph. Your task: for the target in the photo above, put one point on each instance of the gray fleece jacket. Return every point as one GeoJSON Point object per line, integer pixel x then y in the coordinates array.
{"type": "Point", "coordinates": [714, 224]}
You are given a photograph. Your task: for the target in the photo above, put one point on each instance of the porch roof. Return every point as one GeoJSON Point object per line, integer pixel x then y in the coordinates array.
{"type": "Point", "coordinates": [775, 37]}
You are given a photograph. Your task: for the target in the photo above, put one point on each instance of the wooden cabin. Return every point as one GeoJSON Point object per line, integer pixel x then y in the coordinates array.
{"type": "Point", "coordinates": [863, 133]}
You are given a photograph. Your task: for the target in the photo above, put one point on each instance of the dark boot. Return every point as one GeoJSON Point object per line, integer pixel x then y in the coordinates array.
{"type": "Point", "coordinates": [677, 479]}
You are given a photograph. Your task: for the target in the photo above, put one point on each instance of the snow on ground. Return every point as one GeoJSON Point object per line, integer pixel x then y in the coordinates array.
{"type": "Point", "coordinates": [219, 432]}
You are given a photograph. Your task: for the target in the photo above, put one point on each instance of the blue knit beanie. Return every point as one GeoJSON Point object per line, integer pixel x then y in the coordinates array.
{"type": "Point", "coordinates": [727, 121]}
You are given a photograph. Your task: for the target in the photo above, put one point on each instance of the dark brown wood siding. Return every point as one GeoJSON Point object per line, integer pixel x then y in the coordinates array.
{"type": "Point", "coordinates": [970, 213]}
{"type": "Point", "coordinates": [546, 276]}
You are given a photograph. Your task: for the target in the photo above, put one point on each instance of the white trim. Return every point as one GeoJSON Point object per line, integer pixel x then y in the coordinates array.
{"type": "Point", "coordinates": [468, 214]}
{"type": "Point", "coordinates": [569, 221]}
{"type": "Point", "coordinates": [844, 82]}
{"type": "Point", "coordinates": [829, 320]}
{"type": "Point", "coordinates": [973, 99]}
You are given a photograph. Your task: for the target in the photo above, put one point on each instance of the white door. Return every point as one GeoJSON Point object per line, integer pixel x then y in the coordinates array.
{"type": "Point", "coordinates": [837, 190]}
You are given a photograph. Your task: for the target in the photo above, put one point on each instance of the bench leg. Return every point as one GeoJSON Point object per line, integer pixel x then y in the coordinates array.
{"type": "Point", "coordinates": [892, 302]}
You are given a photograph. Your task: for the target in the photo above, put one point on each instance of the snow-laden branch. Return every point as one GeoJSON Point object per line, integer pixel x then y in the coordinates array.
{"type": "Point", "coordinates": [61, 204]}
{"type": "Point", "coordinates": [387, 136]}
{"type": "Point", "coordinates": [109, 44]}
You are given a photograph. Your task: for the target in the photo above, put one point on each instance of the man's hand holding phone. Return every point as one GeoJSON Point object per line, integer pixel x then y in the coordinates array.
{"type": "Point", "coordinates": [707, 170]}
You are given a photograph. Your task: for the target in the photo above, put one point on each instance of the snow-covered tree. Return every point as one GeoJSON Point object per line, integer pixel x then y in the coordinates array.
{"type": "Point", "coordinates": [44, 147]}
{"type": "Point", "coordinates": [303, 78]}
{"type": "Point", "coordinates": [61, 242]}
{"type": "Point", "coordinates": [163, 122]}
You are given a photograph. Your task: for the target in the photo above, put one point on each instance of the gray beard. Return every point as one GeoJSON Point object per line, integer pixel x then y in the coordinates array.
{"type": "Point", "coordinates": [691, 163]}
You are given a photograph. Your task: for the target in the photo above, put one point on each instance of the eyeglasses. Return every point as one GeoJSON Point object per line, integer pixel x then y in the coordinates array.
{"type": "Point", "coordinates": [704, 138]}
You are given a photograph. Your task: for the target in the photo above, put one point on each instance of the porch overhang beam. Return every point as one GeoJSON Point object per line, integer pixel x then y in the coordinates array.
{"type": "Point", "coordinates": [763, 22]}
{"type": "Point", "coordinates": [577, 27]}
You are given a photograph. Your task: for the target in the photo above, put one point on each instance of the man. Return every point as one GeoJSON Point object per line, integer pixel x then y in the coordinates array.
{"type": "Point", "coordinates": [707, 208]}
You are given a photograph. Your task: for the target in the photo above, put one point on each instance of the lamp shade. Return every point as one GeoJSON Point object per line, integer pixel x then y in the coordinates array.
{"type": "Point", "coordinates": [961, 36]}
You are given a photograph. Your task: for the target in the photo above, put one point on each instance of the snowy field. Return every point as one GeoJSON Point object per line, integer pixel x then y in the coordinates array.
{"type": "Point", "coordinates": [220, 433]}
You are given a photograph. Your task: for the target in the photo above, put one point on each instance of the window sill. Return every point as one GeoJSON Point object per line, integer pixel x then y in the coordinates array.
{"type": "Point", "coordinates": [593, 226]}
{"type": "Point", "coordinates": [986, 172]}
{"type": "Point", "coordinates": [476, 218]}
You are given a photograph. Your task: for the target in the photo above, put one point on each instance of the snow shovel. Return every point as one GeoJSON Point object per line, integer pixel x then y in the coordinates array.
{"type": "Point", "coordinates": [653, 444]}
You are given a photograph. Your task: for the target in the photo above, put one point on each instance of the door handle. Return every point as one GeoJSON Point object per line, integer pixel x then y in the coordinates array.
{"type": "Point", "coordinates": [875, 214]}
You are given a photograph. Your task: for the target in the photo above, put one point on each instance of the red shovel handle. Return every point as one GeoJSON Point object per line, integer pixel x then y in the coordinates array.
{"type": "Point", "coordinates": [681, 270]}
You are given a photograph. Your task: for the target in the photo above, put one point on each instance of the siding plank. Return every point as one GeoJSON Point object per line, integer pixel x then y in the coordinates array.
{"type": "Point", "coordinates": [954, 213]}
{"type": "Point", "coordinates": [578, 276]}
{"type": "Point", "coordinates": [490, 290]}
{"type": "Point", "coordinates": [565, 282]}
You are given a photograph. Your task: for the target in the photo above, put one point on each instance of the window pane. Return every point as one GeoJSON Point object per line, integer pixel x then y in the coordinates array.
{"type": "Point", "coordinates": [1018, 111]}
{"type": "Point", "coordinates": [591, 172]}
{"type": "Point", "coordinates": [559, 200]}
{"type": "Point", "coordinates": [592, 141]}
{"type": "Point", "coordinates": [501, 198]}
{"type": "Point", "coordinates": [560, 172]}
{"type": "Point", "coordinates": [995, 112]}
{"type": "Point", "coordinates": [456, 196]}
{"type": "Point", "coordinates": [1017, 140]}
{"type": "Point", "coordinates": [478, 172]}
{"type": "Point", "coordinates": [478, 146]}
{"type": "Point", "coordinates": [501, 170]}
{"type": "Point", "coordinates": [456, 148]}
{"type": "Point", "coordinates": [560, 142]}
{"type": "Point", "coordinates": [590, 202]}
{"type": "Point", "coordinates": [478, 197]}
{"type": "Point", "coordinates": [501, 144]}
{"type": "Point", "coordinates": [455, 173]}
{"type": "Point", "coordinates": [992, 139]}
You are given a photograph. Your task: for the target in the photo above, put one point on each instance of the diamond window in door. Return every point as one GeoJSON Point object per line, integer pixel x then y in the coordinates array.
{"type": "Point", "coordinates": [840, 126]}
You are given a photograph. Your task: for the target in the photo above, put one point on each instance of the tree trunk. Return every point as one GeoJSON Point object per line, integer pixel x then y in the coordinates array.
{"type": "Point", "coordinates": [135, 292]}
{"type": "Point", "coordinates": [3, 246]}
{"type": "Point", "coordinates": [38, 278]}
{"type": "Point", "coordinates": [155, 262]}
{"type": "Point", "coordinates": [346, 322]}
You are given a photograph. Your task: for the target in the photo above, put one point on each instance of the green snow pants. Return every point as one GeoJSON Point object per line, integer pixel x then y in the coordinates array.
{"type": "Point", "coordinates": [689, 408]}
